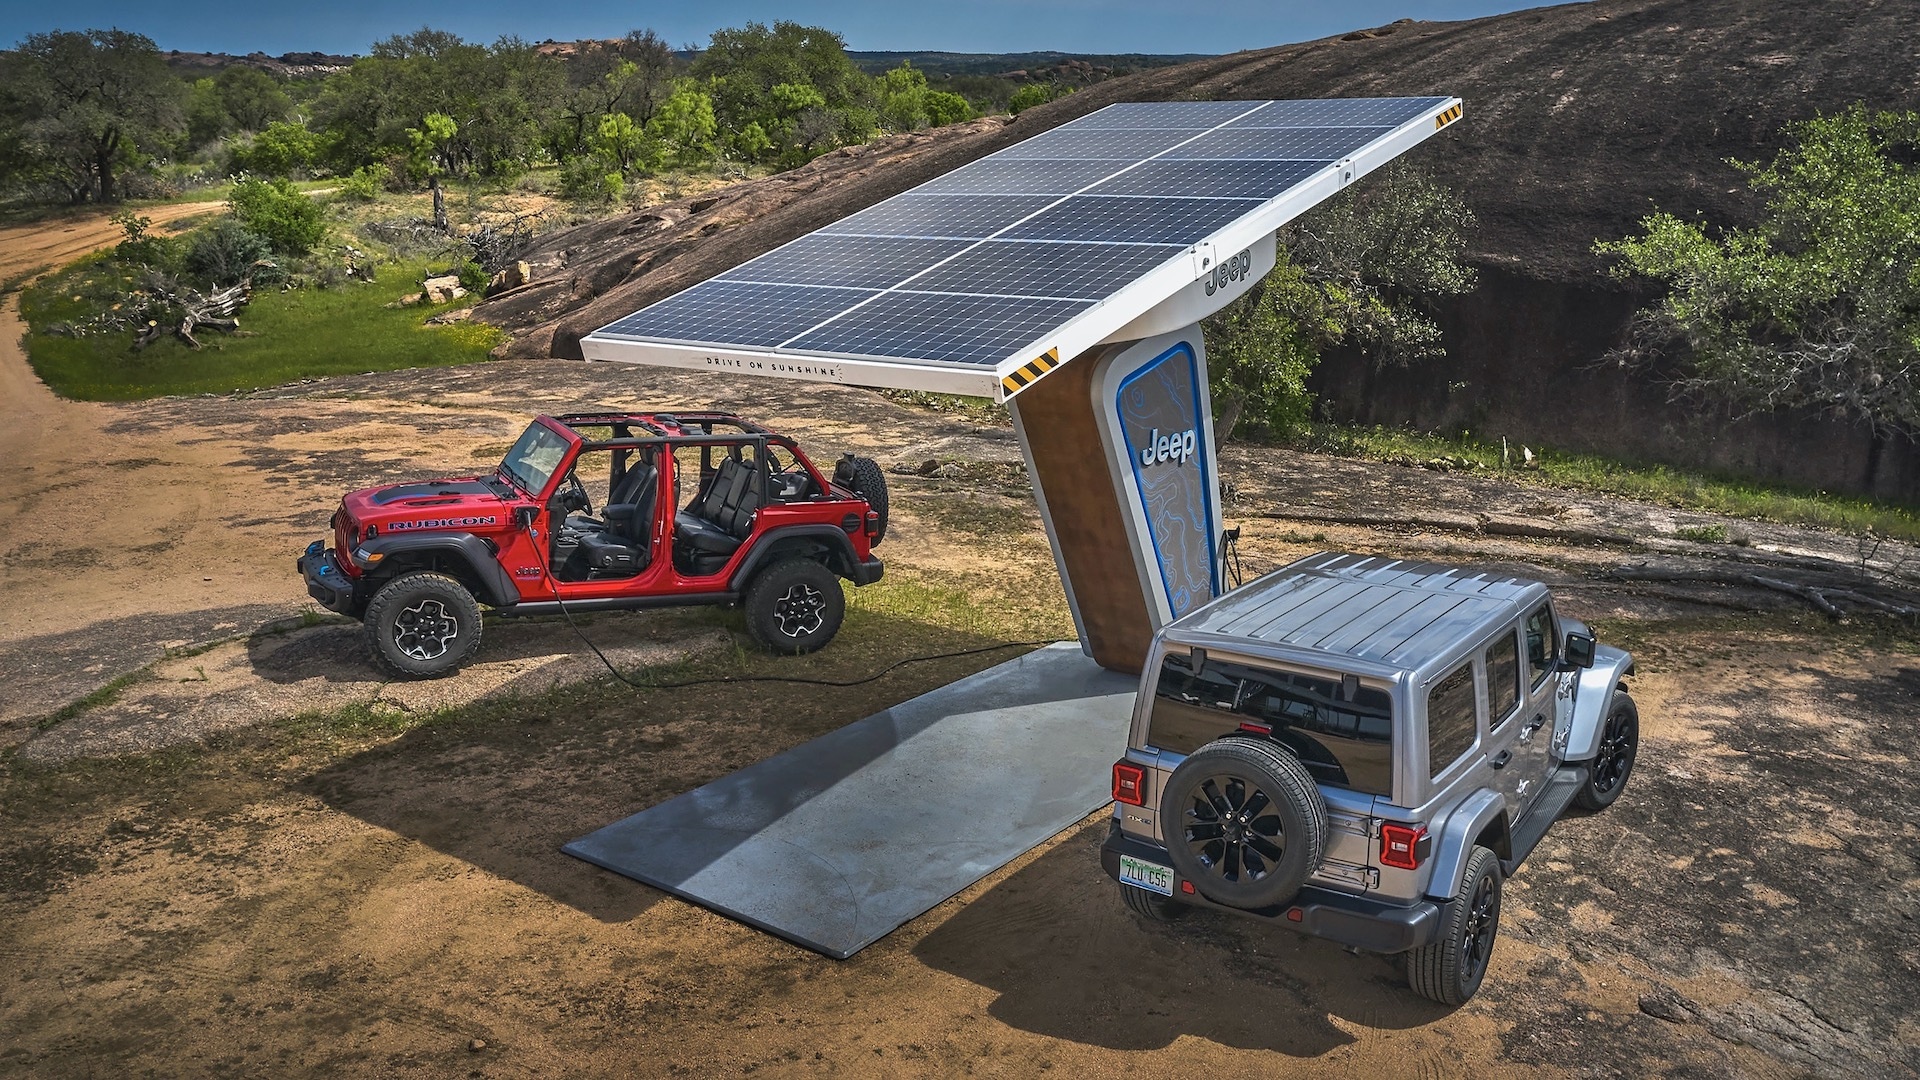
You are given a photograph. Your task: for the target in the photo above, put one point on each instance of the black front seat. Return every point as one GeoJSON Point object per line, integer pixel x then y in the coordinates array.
{"type": "Point", "coordinates": [625, 545]}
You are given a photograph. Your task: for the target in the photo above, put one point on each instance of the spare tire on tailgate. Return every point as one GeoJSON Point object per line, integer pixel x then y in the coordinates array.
{"type": "Point", "coordinates": [1244, 822]}
{"type": "Point", "coordinates": [863, 477]}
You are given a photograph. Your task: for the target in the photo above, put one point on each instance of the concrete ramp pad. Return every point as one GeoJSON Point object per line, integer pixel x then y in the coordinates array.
{"type": "Point", "coordinates": [836, 842]}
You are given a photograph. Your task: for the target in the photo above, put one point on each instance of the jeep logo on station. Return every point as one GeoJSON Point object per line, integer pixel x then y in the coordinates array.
{"type": "Point", "coordinates": [1230, 271]}
{"type": "Point", "coordinates": [1177, 447]}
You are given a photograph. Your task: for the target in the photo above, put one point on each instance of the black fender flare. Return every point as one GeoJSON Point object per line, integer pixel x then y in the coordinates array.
{"type": "Point", "coordinates": [842, 561]}
{"type": "Point", "coordinates": [495, 585]}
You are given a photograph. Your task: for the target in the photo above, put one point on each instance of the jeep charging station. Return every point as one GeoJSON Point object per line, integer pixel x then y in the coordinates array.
{"type": "Point", "coordinates": [1065, 276]}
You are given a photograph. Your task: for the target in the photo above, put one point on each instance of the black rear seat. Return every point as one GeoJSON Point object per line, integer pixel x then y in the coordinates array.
{"type": "Point", "coordinates": [720, 520]}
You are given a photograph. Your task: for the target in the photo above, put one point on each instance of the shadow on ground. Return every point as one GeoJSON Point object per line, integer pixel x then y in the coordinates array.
{"type": "Point", "coordinates": [506, 787]}
{"type": "Point", "coordinates": [1070, 962]}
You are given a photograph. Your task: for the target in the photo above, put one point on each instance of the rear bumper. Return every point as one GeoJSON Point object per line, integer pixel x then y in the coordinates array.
{"type": "Point", "coordinates": [326, 582]}
{"type": "Point", "coordinates": [868, 571]}
{"type": "Point", "coordinates": [1363, 923]}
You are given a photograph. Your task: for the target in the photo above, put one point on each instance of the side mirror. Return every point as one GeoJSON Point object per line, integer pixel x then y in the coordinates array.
{"type": "Point", "coordinates": [1579, 652]}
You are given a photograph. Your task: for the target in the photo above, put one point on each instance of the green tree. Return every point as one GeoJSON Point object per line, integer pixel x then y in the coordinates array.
{"type": "Point", "coordinates": [623, 144]}
{"type": "Point", "coordinates": [85, 103]}
{"type": "Point", "coordinates": [432, 144]}
{"type": "Point", "coordinates": [761, 75]}
{"type": "Point", "coordinates": [281, 150]}
{"type": "Point", "coordinates": [206, 114]}
{"type": "Point", "coordinates": [251, 97]}
{"type": "Point", "coordinates": [279, 214]}
{"type": "Point", "coordinates": [685, 124]}
{"type": "Point", "coordinates": [1035, 93]}
{"type": "Point", "coordinates": [907, 103]}
{"type": "Point", "coordinates": [1359, 271]}
{"type": "Point", "coordinates": [1818, 304]}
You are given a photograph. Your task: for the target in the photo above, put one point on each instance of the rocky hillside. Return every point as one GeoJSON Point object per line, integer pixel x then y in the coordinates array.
{"type": "Point", "coordinates": [1580, 119]}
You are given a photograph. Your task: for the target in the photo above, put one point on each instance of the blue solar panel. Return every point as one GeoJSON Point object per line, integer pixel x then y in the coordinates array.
{"type": "Point", "coordinates": [973, 217]}
{"type": "Point", "coordinates": [1294, 144]}
{"type": "Point", "coordinates": [1078, 271]}
{"type": "Point", "coordinates": [871, 262]}
{"type": "Point", "coordinates": [940, 326]}
{"type": "Point", "coordinates": [1165, 114]}
{"type": "Point", "coordinates": [1340, 112]}
{"type": "Point", "coordinates": [760, 316]}
{"type": "Point", "coordinates": [1133, 221]}
{"type": "Point", "coordinates": [1068, 142]}
{"type": "Point", "coordinates": [1015, 177]}
{"type": "Point", "coordinates": [1214, 179]}
{"type": "Point", "coordinates": [975, 266]}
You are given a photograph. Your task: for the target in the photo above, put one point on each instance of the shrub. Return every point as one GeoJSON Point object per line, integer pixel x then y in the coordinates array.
{"type": "Point", "coordinates": [473, 277]}
{"type": "Point", "coordinates": [139, 248]}
{"type": "Point", "coordinates": [225, 251]}
{"type": "Point", "coordinates": [288, 220]}
{"type": "Point", "coordinates": [281, 150]}
{"type": "Point", "coordinates": [590, 179]}
{"type": "Point", "coordinates": [364, 183]}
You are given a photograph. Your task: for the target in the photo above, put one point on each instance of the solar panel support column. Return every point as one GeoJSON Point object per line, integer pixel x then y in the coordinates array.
{"type": "Point", "coordinates": [1119, 447]}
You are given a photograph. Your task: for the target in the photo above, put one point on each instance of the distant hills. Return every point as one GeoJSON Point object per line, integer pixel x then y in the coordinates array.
{"type": "Point", "coordinates": [1078, 68]}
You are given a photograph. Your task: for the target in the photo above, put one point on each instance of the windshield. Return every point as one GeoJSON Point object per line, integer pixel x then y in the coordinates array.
{"type": "Point", "coordinates": [534, 456]}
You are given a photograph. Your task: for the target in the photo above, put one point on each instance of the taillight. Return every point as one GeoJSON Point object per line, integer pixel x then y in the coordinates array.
{"type": "Point", "coordinates": [1129, 783]}
{"type": "Point", "coordinates": [873, 523]}
{"type": "Point", "coordinates": [1404, 847]}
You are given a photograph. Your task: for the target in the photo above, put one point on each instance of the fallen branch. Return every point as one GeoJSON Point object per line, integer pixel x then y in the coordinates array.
{"type": "Point", "coordinates": [1822, 597]}
{"type": "Point", "coordinates": [197, 312]}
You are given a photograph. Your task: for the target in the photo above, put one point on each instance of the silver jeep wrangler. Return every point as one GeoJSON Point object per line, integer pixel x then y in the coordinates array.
{"type": "Point", "coordinates": [1363, 749]}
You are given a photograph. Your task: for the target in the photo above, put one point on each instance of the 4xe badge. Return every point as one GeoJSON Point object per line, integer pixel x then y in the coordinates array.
{"type": "Point", "coordinates": [1177, 447]}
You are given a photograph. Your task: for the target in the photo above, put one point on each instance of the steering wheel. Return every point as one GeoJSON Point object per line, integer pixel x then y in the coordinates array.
{"type": "Point", "coordinates": [573, 496]}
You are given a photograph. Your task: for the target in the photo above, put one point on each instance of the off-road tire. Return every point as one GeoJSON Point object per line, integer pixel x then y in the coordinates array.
{"type": "Point", "coordinates": [1152, 906]}
{"type": "Point", "coordinates": [794, 606]}
{"type": "Point", "coordinates": [1450, 968]}
{"type": "Point", "coordinates": [864, 477]}
{"type": "Point", "coordinates": [1245, 822]}
{"type": "Point", "coordinates": [1607, 773]}
{"type": "Point", "coordinates": [422, 625]}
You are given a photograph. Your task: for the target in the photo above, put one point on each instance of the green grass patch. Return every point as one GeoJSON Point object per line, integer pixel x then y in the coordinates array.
{"type": "Point", "coordinates": [285, 335]}
{"type": "Point", "coordinates": [1662, 484]}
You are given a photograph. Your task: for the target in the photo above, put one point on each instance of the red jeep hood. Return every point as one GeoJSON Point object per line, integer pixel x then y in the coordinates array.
{"type": "Point", "coordinates": [460, 503]}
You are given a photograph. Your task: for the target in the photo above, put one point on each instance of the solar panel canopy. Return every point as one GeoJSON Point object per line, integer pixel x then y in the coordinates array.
{"type": "Point", "coordinates": [1041, 250]}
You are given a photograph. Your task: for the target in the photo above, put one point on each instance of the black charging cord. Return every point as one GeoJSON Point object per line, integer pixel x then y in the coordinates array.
{"type": "Point", "coordinates": [1230, 554]}
{"type": "Point", "coordinates": [540, 554]}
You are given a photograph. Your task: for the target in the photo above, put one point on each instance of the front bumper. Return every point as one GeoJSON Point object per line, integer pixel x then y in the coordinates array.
{"type": "Point", "coordinates": [327, 583]}
{"type": "Point", "coordinates": [1363, 923]}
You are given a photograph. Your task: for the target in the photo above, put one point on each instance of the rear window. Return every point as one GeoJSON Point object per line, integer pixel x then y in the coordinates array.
{"type": "Point", "coordinates": [1343, 734]}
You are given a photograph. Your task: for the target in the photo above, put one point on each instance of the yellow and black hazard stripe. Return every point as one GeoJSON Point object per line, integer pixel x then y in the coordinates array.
{"type": "Point", "coordinates": [1445, 118]}
{"type": "Point", "coordinates": [1029, 373]}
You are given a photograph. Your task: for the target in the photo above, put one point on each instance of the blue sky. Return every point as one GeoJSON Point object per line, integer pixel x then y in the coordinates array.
{"type": "Point", "coordinates": [1095, 26]}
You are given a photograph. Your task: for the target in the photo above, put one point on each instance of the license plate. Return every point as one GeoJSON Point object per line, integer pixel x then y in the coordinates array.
{"type": "Point", "coordinates": [1145, 875]}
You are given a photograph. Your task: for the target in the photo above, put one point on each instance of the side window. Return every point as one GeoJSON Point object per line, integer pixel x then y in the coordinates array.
{"type": "Point", "coordinates": [1451, 723]}
{"type": "Point", "coordinates": [1540, 643]}
{"type": "Point", "coordinates": [1503, 678]}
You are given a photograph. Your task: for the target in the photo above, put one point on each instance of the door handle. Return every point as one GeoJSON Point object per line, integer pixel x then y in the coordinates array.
{"type": "Point", "coordinates": [1538, 721]}
{"type": "Point", "coordinates": [1527, 733]}
{"type": "Point", "coordinates": [1500, 760]}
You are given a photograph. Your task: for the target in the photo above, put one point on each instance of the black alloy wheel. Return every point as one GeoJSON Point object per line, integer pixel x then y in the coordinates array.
{"type": "Point", "coordinates": [794, 606]}
{"type": "Point", "coordinates": [1619, 745]}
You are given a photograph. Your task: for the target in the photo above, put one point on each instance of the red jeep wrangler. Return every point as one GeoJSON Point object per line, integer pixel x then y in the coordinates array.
{"type": "Point", "coordinates": [694, 508]}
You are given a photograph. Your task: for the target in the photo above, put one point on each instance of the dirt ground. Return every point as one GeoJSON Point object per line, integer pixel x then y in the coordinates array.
{"type": "Point", "coordinates": [247, 889]}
